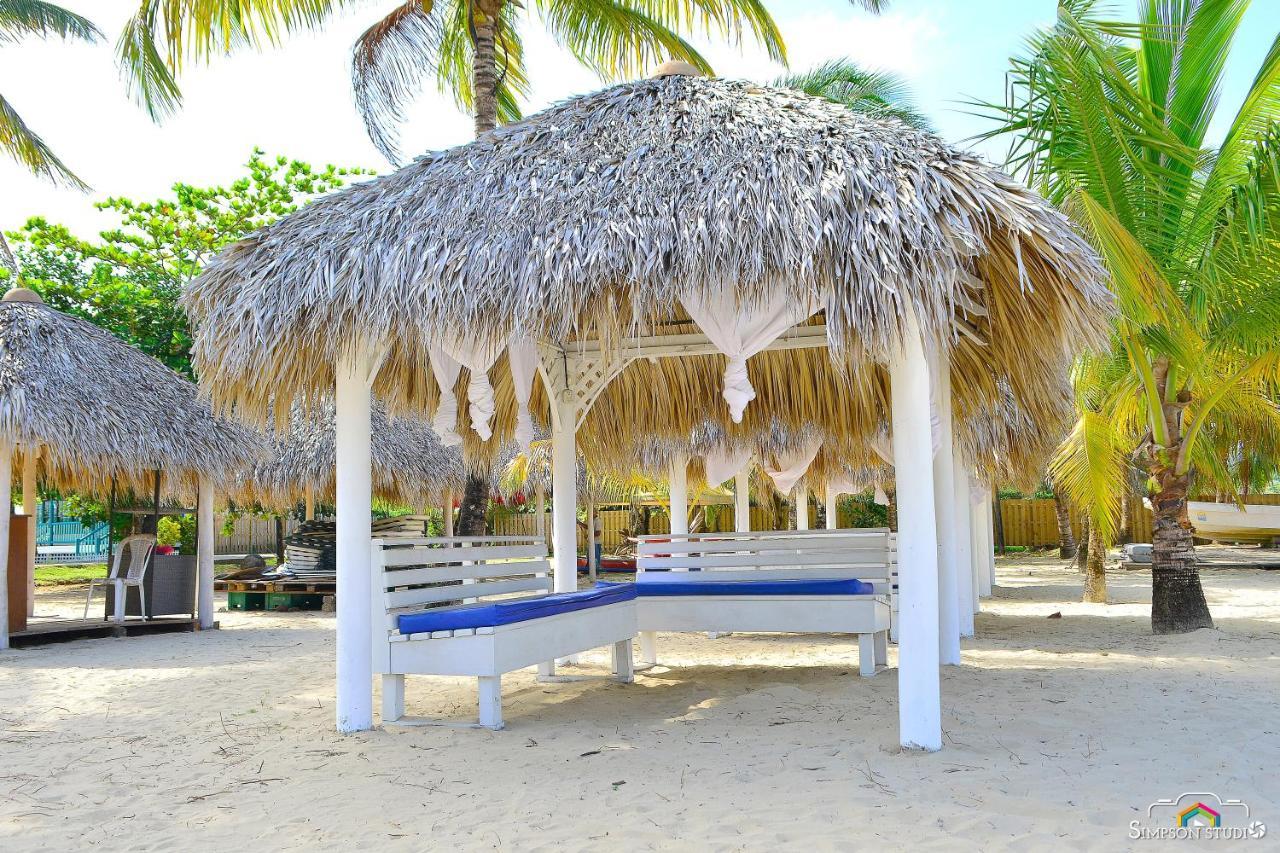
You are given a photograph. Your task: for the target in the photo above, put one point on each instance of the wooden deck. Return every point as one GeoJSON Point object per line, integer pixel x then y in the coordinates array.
{"type": "Point", "coordinates": [41, 631]}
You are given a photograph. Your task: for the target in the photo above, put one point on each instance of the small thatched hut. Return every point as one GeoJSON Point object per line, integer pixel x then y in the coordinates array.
{"type": "Point", "coordinates": [410, 465]}
{"type": "Point", "coordinates": [682, 225]}
{"type": "Point", "coordinates": [82, 409]}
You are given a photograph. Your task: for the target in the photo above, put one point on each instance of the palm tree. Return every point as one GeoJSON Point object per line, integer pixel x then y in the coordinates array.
{"type": "Point", "coordinates": [473, 48]}
{"type": "Point", "coordinates": [21, 19]}
{"type": "Point", "coordinates": [1110, 120]}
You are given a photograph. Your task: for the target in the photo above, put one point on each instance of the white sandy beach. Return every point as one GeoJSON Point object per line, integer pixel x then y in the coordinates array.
{"type": "Point", "coordinates": [1058, 733]}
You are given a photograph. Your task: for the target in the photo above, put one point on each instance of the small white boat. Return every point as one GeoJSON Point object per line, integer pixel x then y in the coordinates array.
{"type": "Point", "coordinates": [1227, 522]}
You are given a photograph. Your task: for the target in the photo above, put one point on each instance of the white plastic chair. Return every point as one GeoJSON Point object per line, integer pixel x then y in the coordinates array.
{"type": "Point", "coordinates": [139, 548]}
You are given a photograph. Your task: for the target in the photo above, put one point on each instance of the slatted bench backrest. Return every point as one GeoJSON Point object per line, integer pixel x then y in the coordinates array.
{"type": "Point", "coordinates": [416, 573]}
{"type": "Point", "coordinates": [868, 554]}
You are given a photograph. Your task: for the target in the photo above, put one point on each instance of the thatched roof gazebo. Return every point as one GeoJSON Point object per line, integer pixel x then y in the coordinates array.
{"type": "Point", "coordinates": [672, 221]}
{"type": "Point", "coordinates": [87, 411]}
{"type": "Point", "coordinates": [410, 464]}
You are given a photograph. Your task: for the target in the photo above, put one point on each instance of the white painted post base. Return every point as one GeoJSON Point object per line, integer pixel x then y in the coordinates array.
{"type": "Point", "coordinates": [866, 655]}
{"type": "Point", "coordinates": [204, 553]}
{"type": "Point", "coordinates": [649, 647]}
{"type": "Point", "coordinates": [623, 666]}
{"type": "Point", "coordinates": [546, 670]}
{"type": "Point", "coordinates": [882, 648]}
{"type": "Point", "coordinates": [392, 697]}
{"type": "Point", "coordinates": [490, 690]}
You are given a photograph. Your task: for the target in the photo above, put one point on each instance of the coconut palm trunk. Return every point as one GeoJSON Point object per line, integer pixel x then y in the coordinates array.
{"type": "Point", "coordinates": [1177, 599]}
{"type": "Point", "coordinates": [484, 35]}
{"type": "Point", "coordinates": [1095, 570]}
{"type": "Point", "coordinates": [1066, 539]}
{"type": "Point", "coordinates": [475, 502]}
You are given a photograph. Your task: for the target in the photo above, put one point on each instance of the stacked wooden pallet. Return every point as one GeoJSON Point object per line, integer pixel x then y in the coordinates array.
{"type": "Point", "coordinates": [309, 551]}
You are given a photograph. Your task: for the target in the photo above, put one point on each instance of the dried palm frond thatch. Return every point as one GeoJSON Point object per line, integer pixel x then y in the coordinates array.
{"type": "Point", "coordinates": [595, 217]}
{"type": "Point", "coordinates": [409, 464]}
{"type": "Point", "coordinates": [99, 409]}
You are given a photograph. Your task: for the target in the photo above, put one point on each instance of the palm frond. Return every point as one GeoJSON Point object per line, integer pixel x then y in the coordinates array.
{"type": "Point", "coordinates": [729, 19]}
{"type": "Point", "coordinates": [1089, 469]}
{"type": "Point", "coordinates": [25, 145]}
{"type": "Point", "coordinates": [23, 18]}
{"type": "Point", "coordinates": [615, 39]}
{"type": "Point", "coordinates": [875, 93]}
{"type": "Point", "coordinates": [388, 64]}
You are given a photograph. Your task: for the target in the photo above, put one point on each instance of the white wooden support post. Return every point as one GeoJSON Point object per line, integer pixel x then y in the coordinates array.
{"type": "Point", "coordinates": [990, 527]}
{"type": "Point", "coordinates": [964, 549]}
{"type": "Point", "coordinates": [29, 500]}
{"type": "Point", "coordinates": [204, 552]}
{"type": "Point", "coordinates": [919, 688]}
{"type": "Point", "coordinates": [6, 509]}
{"type": "Point", "coordinates": [742, 501]}
{"type": "Point", "coordinates": [833, 509]}
{"type": "Point", "coordinates": [949, 530]}
{"type": "Point", "coordinates": [802, 505]}
{"type": "Point", "coordinates": [679, 493]}
{"type": "Point", "coordinates": [448, 514]}
{"type": "Point", "coordinates": [982, 544]}
{"type": "Point", "coordinates": [354, 402]}
{"type": "Point", "coordinates": [564, 493]}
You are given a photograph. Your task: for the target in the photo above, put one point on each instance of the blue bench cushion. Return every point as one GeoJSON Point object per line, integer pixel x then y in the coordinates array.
{"type": "Point", "coordinates": [489, 614]}
{"type": "Point", "coordinates": [668, 585]}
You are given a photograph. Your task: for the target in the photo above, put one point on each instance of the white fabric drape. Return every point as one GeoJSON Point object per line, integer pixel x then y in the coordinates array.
{"type": "Point", "coordinates": [881, 497]}
{"type": "Point", "coordinates": [722, 465]}
{"type": "Point", "coordinates": [445, 422]}
{"type": "Point", "coordinates": [522, 354]}
{"type": "Point", "coordinates": [788, 468]}
{"type": "Point", "coordinates": [477, 357]}
{"type": "Point", "coordinates": [740, 332]}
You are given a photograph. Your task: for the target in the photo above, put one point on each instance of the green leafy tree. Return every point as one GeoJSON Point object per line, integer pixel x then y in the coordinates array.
{"type": "Point", "coordinates": [129, 278]}
{"type": "Point", "coordinates": [1110, 119]}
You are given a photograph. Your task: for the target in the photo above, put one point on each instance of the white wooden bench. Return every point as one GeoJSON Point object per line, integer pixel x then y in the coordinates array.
{"type": "Point", "coordinates": [418, 576]}
{"type": "Point", "coordinates": [869, 555]}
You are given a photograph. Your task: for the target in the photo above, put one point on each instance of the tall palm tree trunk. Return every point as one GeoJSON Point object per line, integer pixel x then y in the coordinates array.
{"type": "Point", "coordinates": [1095, 569]}
{"type": "Point", "coordinates": [1082, 547]}
{"type": "Point", "coordinates": [484, 19]}
{"type": "Point", "coordinates": [1177, 599]}
{"type": "Point", "coordinates": [1066, 539]}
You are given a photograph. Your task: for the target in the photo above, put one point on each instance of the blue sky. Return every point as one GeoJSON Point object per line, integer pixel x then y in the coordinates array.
{"type": "Point", "coordinates": [296, 100]}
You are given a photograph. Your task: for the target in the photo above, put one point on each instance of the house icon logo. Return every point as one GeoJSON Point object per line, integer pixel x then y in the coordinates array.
{"type": "Point", "coordinates": [1199, 815]}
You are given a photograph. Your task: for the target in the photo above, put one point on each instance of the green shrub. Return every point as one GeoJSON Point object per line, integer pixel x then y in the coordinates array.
{"type": "Point", "coordinates": [168, 531]}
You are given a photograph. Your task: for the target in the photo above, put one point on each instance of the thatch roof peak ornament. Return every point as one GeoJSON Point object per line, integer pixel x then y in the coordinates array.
{"type": "Point", "coordinates": [22, 294]}
{"type": "Point", "coordinates": [675, 68]}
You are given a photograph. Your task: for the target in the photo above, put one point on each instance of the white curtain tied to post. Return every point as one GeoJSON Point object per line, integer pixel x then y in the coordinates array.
{"type": "Point", "coordinates": [722, 465]}
{"type": "Point", "coordinates": [522, 355]}
{"type": "Point", "coordinates": [741, 331]}
{"type": "Point", "coordinates": [789, 467]}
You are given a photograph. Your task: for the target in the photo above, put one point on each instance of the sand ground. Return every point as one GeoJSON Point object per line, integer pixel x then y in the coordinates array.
{"type": "Point", "coordinates": [1058, 733]}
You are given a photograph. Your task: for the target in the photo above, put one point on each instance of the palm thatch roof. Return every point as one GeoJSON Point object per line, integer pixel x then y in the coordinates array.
{"type": "Point", "coordinates": [409, 464]}
{"type": "Point", "coordinates": [596, 217]}
{"type": "Point", "coordinates": [98, 408]}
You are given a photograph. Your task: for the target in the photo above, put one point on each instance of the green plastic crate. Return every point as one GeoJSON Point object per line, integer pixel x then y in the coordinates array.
{"type": "Point", "coordinates": [246, 600]}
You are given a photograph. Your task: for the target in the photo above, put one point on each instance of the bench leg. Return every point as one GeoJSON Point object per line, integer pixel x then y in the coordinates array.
{"type": "Point", "coordinates": [649, 647]}
{"type": "Point", "coordinates": [623, 669]}
{"type": "Point", "coordinates": [866, 655]}
{"type": "Point", "coordinates": [547, 669]}
{"type": "Point", "coordinates": [882, 648]}
{"type": "Point", "coordinates": [392, 697]}
{"type": "Point", "coordinates": [491, 701]}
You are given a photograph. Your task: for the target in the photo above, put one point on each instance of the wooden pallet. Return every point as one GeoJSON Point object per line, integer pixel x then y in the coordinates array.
{"type": "Point", "coordinates": [318, 587]}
